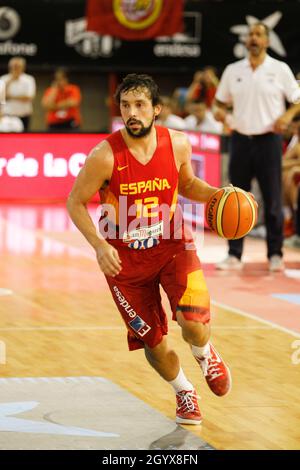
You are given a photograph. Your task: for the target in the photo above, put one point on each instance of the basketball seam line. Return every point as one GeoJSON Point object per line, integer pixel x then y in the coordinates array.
{"type": "Point", "coordinates": [219, 215]}
{"type": "Point", "coordinates": [238, 204]}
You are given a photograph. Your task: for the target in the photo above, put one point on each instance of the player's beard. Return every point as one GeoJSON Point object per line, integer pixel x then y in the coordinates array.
{"type": "Point", "coordinates": [142, 132]}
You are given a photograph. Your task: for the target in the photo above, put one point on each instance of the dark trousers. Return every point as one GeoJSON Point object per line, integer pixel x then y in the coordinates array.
{"type": "Point", "coordinates": [259, 157]}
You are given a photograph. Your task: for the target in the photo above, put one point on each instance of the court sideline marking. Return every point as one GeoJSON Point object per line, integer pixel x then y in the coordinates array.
{"type": "Point", "coordinates": [237, 311]}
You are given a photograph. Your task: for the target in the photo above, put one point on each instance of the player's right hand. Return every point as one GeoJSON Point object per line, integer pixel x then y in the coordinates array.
{"type": "Point", "coordinates": [108, 259]}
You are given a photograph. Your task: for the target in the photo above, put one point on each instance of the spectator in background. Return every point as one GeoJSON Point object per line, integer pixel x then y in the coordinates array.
{"type": "Point", "coordinates": [294, 241]}
{"type": "Point", "coordinates": [8, 123]}
{"type": "Point", "coordinates": [257, 88]}
{"type": "Point", "coordinates": [167, 118]}
{"type": "Point", "coordinates": [290, 182]}
{"type": "Point", "coordinates": [62, 103]}
{"type": "Point", "coordinates": [20, 91]}
{"type": "Point", "coordinates": [179, 101]}
{"type": "Point", "coordinates": [203, 86]}
{"type": "Point", "coordinates": [201, 119]}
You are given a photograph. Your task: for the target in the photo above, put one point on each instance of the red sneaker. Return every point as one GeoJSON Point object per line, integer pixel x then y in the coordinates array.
{"type": "Point", "coordinates": [187, 411]}
{"type": "Point", "coordinates": [216, 373]}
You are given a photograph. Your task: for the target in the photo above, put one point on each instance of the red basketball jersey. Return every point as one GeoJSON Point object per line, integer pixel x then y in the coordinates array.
{"type": "Point", "coordinates": [140, 200]}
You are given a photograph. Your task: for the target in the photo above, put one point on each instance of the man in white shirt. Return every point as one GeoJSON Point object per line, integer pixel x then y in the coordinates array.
{"type": "Point", "coordinates": [167, 118]}
{"type": "Point", "coordinates": [8, 123]}
{"type": "Point", "coordinates": [257, 88]}
{"type": "Point", "coordinates": [20, 91]}
{"type": "Point", "coordinates": [201, 119]}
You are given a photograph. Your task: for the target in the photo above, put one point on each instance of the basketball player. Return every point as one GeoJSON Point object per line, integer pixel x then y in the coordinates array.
{"type": "Point", "coordinates": [146, 166]}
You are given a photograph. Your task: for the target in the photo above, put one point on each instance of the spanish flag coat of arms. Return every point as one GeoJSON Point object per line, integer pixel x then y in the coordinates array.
{"type": "Point", "coordinates": [134, 20]}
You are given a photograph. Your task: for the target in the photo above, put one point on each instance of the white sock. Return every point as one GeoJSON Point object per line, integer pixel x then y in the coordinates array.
{"type": "Point", "coordinates": [200, 351]}
{"type": "Point", "coordinates": [181, 382]}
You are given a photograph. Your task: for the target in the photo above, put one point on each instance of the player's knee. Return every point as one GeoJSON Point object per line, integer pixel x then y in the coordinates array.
{"type": "Point", "coordinates": [158, 352]}
{"type": "Point", "coordinates": [187, 323]}
{"type": "Point", "coordinates": [191, 328]}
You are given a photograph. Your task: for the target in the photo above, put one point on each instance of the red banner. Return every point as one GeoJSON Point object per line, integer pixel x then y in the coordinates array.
{"type": "Point", "coordinates": [135, 19]}
{"type": "Point", "coordinates": [43, 167]}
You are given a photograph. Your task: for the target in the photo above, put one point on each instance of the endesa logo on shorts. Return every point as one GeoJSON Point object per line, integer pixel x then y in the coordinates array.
{"type": "Point", "coordinates": [137, 324]}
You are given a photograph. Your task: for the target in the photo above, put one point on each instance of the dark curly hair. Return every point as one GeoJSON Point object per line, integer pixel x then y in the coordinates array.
{"type": "Point", "coordinates": [143, 82]}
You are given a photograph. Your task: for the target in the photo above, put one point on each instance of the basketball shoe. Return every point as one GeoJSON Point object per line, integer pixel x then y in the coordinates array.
{"type": "Point", "coordinates": [230, 263]}
{"type": "Point", "coordinates": [215, 371]}
{"type": "Point", "coordinates": [276, 264]}
{"type": "Point", "coordinates": [187, 410]}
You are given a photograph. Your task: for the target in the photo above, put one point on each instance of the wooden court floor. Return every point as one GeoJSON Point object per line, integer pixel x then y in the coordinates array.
{"type": "Point", "coordinates": [57, 319]}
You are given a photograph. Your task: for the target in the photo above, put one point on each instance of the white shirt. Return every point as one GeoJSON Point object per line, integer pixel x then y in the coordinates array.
{"type": "Point", "coordinates": [258, 96]}
{"type": "Point", "coordinates": [209, 124]}
{"type": "Point", "coordinates": [11, 124]}
{"type": "Point", "coordinates": [173, 122]}
{"type": "Point", "coordinates": [23, 86]}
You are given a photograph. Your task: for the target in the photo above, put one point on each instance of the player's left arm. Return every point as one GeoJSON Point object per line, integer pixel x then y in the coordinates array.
{"type": "Point", "coordinates": [189, 185]}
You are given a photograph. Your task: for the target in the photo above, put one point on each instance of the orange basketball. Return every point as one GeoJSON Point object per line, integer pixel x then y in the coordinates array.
{"type": "Point", "coordinates": [231, 212]}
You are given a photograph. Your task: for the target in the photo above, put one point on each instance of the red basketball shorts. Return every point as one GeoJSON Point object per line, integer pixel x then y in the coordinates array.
{"type": "Point", "coordinates": [136, 290]}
